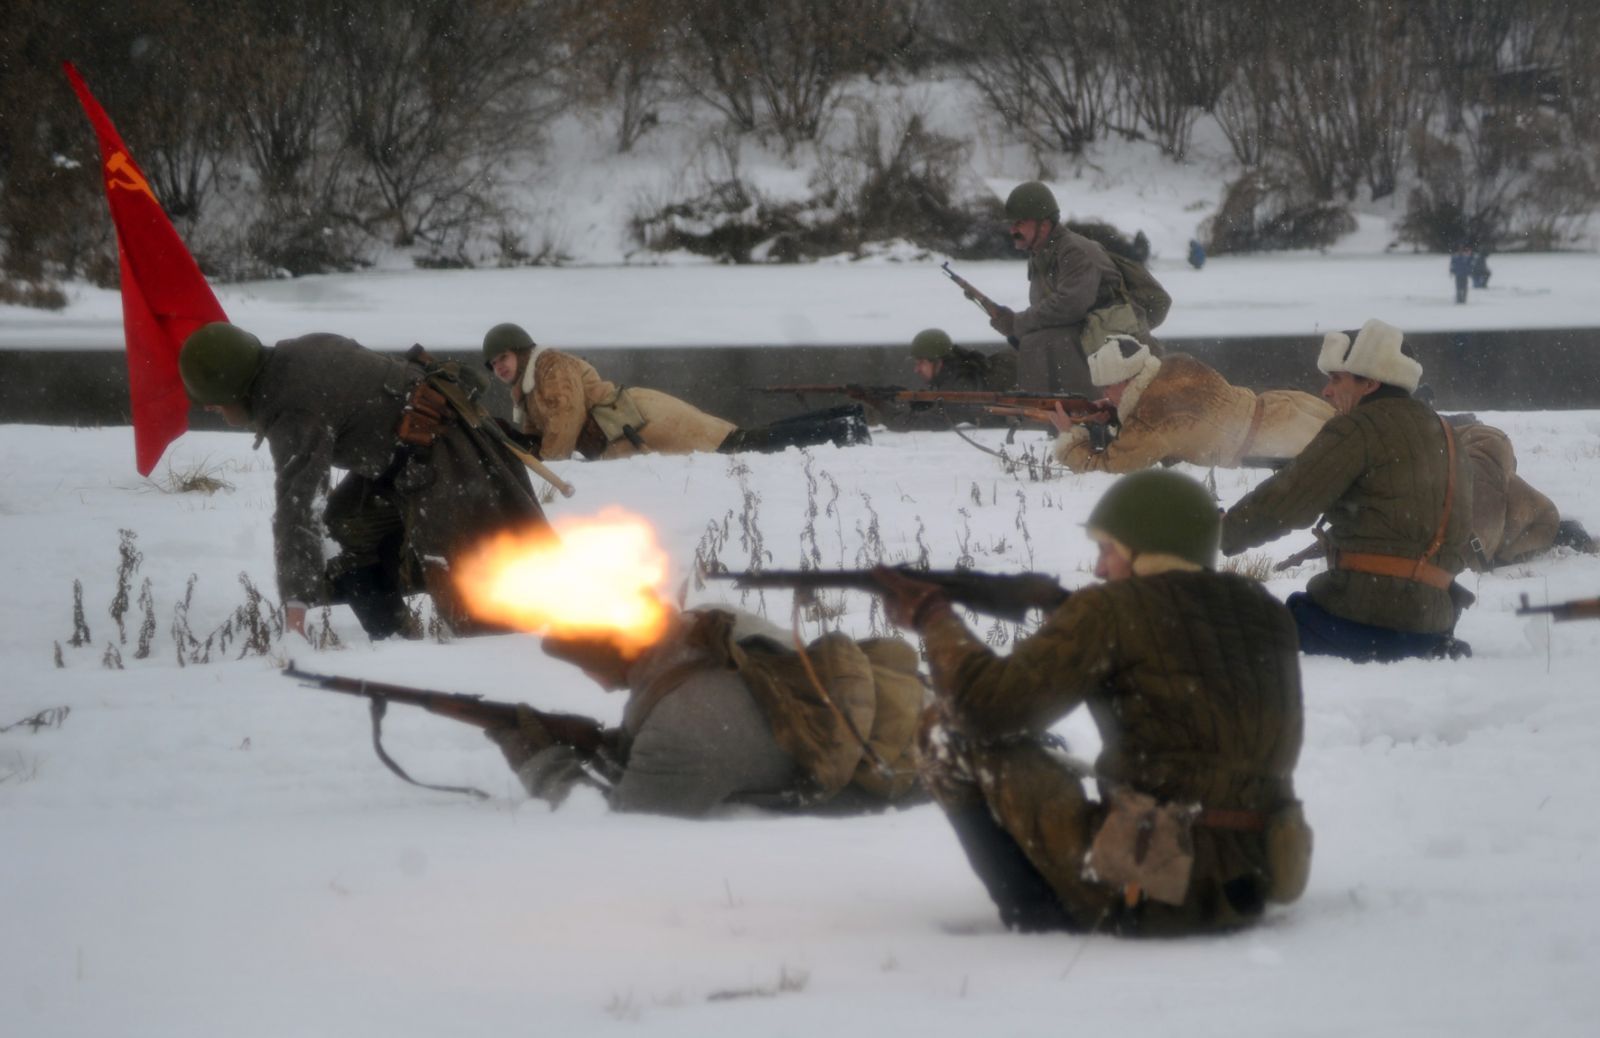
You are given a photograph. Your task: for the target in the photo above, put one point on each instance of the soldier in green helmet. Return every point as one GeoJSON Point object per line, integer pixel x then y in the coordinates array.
{"type": "Point", "coordinates": [564, 406]}
{"type": "Point", "coordinates": [1077, 295]}
{"type": "Point", "coordinates": [941, 364]}
{"type": "Point", "coordinates": [422, 483]}
{"type": "Point", "coordinates": [1193, 680]}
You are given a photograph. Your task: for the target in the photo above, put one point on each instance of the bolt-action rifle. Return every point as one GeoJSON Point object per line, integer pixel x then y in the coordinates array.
{"type": "Point", "coordinates": [987, 305]}
{"type": "Point", "coordinates": [1577, 609]}
{"type": "Point", "coordinates": [1077, 406]}
{"type": "Point", "coordinates": [585, 735]}
{"type": "Point", "coordinates": [1006, 595]}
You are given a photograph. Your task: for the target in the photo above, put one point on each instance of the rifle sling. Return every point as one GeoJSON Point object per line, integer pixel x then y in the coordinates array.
{"type": "Point", "coordinates": [379, 706]}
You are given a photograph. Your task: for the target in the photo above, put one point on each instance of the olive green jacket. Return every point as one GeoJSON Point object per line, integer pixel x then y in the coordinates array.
{"type": "Point", "coordinates": [1377, 476]}
{"type": "Point", "coordinates": [1192, 679]}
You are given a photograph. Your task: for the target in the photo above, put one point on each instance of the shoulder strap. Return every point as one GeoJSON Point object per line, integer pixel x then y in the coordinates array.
{"type": "Point", "coordinates": [1449, 493]}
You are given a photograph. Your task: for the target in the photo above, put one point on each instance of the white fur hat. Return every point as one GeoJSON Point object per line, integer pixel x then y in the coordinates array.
{"type": "Point", "coordinates": [1118, 359]}
{"type": "Point", "coordinates": [1375, 354]}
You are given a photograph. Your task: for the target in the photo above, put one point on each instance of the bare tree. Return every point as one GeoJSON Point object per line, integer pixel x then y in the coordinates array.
{"type": "Point", "coordinates": [1048, 69]}
{"type": "Point", "coordinates": [436, 96]}
{"type": "Point", "coordinates": [778, 65]}
{"type": "Point", "coordinates": [1181, 55]}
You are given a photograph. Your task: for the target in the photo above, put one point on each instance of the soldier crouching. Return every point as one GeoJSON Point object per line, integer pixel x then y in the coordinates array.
{"type": "Point", "coordinates": [1193, 680]}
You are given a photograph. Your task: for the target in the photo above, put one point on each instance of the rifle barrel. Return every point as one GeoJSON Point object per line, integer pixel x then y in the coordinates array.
{"type": "Point", "coordinates": [1006, 595]}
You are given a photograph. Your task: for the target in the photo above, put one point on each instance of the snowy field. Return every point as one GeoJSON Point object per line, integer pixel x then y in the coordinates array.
{"type": "Point", "coordinates": [210, 849]}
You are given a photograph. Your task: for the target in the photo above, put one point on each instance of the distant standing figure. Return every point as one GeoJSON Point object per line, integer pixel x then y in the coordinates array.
{"type": "Point", "coordinates": [1197, 254]}
{"type": "Point", "coordinates": [1480, 269]}
{"type": "Point", "coordinates": [1461, 270]}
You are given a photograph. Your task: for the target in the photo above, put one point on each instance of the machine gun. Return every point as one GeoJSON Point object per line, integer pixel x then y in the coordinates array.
{"type": "Point", "coordinates": [984, 303]}
{"type": "Point", "coordinates": [584, 734]}
{"type": "Point", "coordinates": [1577, 609]}
{"type": "Point", "coordinates": [1006, 595]}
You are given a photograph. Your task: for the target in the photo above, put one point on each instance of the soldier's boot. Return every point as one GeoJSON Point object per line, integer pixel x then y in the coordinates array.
{"type": "Point", "coordinates": [1571, 534]}
{"type": "Point", "coordinates": [373, 594]}
{"type": "Point", "coordinates": [1025, 900]}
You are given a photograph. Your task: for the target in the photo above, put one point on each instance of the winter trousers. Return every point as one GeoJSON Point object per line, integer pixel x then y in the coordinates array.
{"type": "Point", "coordinates": [841, 426]}
{"type": "Point", "coordinates": [1323, 634]}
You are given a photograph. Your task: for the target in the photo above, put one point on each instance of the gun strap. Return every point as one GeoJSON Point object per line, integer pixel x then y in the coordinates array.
{"type": "Point", "coordinates": [379, 706]}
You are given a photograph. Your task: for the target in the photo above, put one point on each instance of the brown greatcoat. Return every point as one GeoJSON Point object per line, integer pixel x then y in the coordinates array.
{"type": "Point", "coordinates": [1178, 409]}
{"type": "Point", "coordinates": [1068, 276]}
{"type": "Point", "coordinates": [1377, 477]}
{"type": "Point", "coordinates": [562, 400]}
{"type": "Point", "coordinates": [1192, 679]}
{"type": "Point", "coordinates": [324, 401]}
{"type": "Point", "coordinates": [1510, 519]}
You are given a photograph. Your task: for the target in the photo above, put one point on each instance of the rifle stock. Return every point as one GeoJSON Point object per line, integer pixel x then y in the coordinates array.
{"type": "Point", "coordinates": [1576, 609]}
{"type": "Point", "coordinates": [1006, 595]}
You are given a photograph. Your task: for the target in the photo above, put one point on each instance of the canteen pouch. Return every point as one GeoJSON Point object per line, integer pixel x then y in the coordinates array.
{"type": "Point", "coordinates": [426, 412]}
{"type": "Point", "coordinates": [1289, 841]}
{"type": "Point", "coordinates": [1143, 847]}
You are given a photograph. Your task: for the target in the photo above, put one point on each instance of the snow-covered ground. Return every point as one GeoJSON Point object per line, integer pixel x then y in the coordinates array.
{"type": "Point", "coordinates": [211, 849]}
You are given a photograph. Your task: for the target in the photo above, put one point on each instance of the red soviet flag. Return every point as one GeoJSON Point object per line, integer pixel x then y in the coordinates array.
{"type": "Point", "coordinates": [164, 295]}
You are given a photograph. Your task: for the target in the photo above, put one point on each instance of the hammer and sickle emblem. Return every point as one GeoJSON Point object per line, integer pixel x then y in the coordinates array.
{"type": "Point", "coordinates": [122, 166]}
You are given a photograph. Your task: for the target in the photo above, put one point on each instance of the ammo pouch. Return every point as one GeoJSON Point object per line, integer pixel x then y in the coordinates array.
{"type": "Point", "coordinates": [1288, 840]}
{"type": "Point", "coordinates": [426, 413]}
{"type": "Point", "coordinates": [619, 417]}
{"type": "Point", "coordinates": [1143, 847]}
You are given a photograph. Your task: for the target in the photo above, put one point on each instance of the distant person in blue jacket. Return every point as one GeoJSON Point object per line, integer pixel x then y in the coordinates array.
{"type": "Point", "coordinates": [1197, 254]}
{"type": "Point", "coordinates": [1461, 270]}
{"type": "Point", "coordinates": [1480, 269]}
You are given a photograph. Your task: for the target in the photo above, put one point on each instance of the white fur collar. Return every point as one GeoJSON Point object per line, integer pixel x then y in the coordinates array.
{"type": "Point", "coordinates": [1136, 388]}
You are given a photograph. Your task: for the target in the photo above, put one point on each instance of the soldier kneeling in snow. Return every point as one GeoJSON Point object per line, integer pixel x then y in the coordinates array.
{"type": "Point", "coordinates": [564, 405]}
{"type": "Point", "coordinates": [1192, 678]}
{"type": "Point", "coordinates": [1175, 408]}
{"type": "Point", "coordinates": [1511, 521]}
{"type": "Point", "coordinates": [720, 710]}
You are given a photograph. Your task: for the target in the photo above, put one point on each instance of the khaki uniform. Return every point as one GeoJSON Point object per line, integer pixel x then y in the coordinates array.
{"type": "Point", "coordinates": [1193, 681]}
{"type": "Point", "coordinates": [564, 402]}
{"type": "Point", "coordinates": [322, 401]}
{"type": "Point", "coordinates": [1178, 409]}
{"type": "Point", "coordinates": [1068, 277]}
{"type": "Point", "coordinates": [721, 710]}
{"type": "Point", "coordinates": [1377, 477]}
{"type": "Point", "coordinates": [1510, 519]}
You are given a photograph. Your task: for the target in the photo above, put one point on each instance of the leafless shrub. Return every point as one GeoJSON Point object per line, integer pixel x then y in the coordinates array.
{"type": "Point", "coordinates": [50, 717]}
{"type": "Point", "coordinates": [787, 983]}
{"type": "Point", "coordinates": [80, 626]}
{"type": "Point", "coordinates": [1258, 566]}
{"type": "Point", "coordinates": [199, 477]}
{"type": "Point", "coordinates": [147, 626]}
{"type": "Point", "coordinates": [128, 560]}
{"type": "Point", "coordinates": [111, 659]}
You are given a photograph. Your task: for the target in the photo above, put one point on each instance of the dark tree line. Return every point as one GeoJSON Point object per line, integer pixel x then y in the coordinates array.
{"type": "Point", "coordinates": [348, 124]}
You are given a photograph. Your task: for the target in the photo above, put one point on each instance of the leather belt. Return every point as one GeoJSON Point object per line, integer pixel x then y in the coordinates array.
{"type": "Point", "coordinates": [1394, 566]}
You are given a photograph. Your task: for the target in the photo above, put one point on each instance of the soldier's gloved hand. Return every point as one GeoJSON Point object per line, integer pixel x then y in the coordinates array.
{"type": "Point", "coordinates": [906, 600]}
{"type": "Point", "coordinates": [519, 742]}
{"type": "Point", "coordinates": [1004, 321]}
{"type": "Point", "coordinates": [552, 774]}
